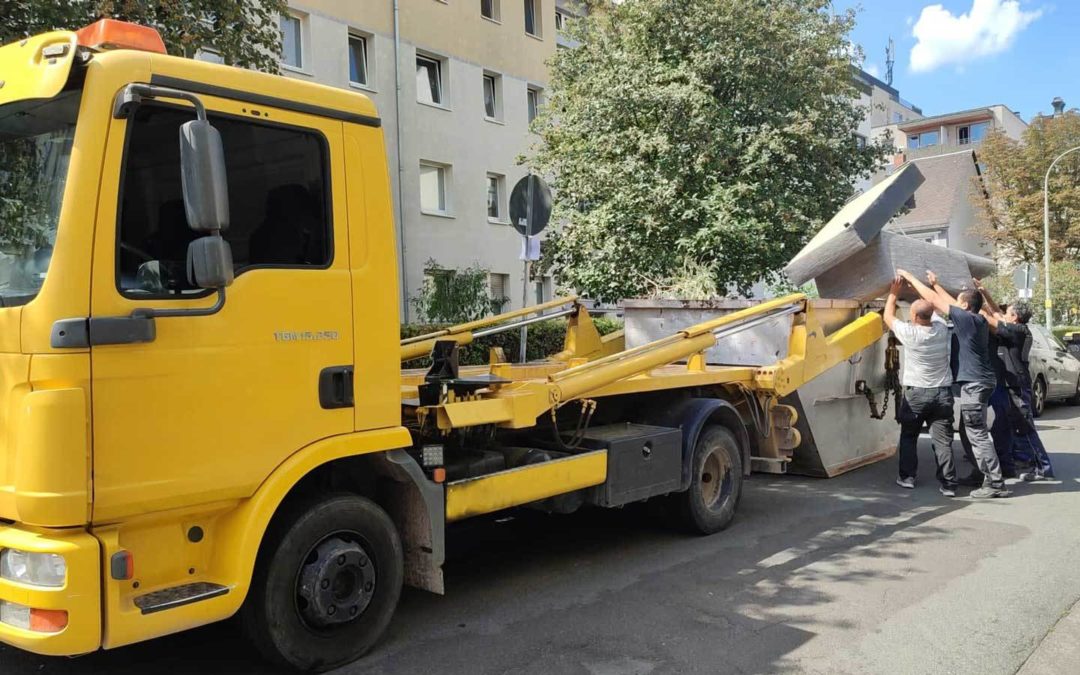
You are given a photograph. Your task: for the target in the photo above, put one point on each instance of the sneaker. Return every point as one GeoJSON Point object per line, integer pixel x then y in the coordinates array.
{"type": "Point", "coordinates": [989, 492]}
{"type": "Point", "coordinates": [906, 483]}
{"type": "Point", "coordinates": [947, 491]}
{"type": "Point", "coordinates": [1031, 476]}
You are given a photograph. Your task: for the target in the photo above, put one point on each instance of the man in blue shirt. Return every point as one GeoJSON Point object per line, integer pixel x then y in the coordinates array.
{"type": "Point", "coordinates": [975, 375]}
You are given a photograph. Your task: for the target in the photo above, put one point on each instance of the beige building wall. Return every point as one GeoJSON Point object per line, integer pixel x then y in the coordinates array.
{"type": "Point", "coordinates": [456, 135]}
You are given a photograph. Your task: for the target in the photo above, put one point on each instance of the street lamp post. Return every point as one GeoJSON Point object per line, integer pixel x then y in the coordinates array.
{"type": "Point", "coordinates": [1046, 237]}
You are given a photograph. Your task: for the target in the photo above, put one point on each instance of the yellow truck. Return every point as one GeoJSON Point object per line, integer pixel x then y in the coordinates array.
{"type": "Point", "coordinates": [202, 398]}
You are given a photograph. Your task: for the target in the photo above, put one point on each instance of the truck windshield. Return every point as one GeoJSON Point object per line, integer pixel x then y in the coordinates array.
{"type": "Point", "coordinates": [35, 147]}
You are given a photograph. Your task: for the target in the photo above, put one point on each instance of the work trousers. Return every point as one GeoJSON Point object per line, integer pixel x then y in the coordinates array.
{"type": "Point", "coordinates": [974, 401]}
{"type": "Point", "coordinates": [1002, 430]}
{"type": "Point", "coordinates": [927, 406]}
{"type": "Point", "coordinates": [1027, 448]}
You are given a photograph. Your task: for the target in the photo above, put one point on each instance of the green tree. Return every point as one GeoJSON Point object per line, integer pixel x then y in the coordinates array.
{"type": "Point", "coordinates": [1064, 291]}
{"type": "Point", "coordinates": [244, 32]}
{"type": "Point", "coordinates": [697, 134]}
{"type": "Point", "coordinates": [1014, 171]}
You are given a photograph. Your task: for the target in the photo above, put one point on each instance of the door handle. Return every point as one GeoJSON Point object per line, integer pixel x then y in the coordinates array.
{"type": "Point", "coordinates": [336, 387]}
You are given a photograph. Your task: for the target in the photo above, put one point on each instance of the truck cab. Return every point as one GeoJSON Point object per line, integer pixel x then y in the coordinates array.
{"type": "Point", "coordinates": [141, 410]}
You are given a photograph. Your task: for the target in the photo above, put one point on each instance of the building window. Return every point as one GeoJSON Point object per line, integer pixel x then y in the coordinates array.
{"type": "Point", "coordinates": [492, 96]}
{"type": "Point", "coordinates": [937, 239]}
{"type": "Point", "coordinates": [963, 135]}
{"type": "Point", "coordinates": [978, 131]}
{"type": "Point", "coordinates": [499, 285]}
{"type": "Point", "coordinates": [543, 290]}
{"type": "Point", "coordinates": [532, 95]}
{"type": "Point", "coordinates": [489, 9]}
{"type": "Point", "coordinates": [560, 21]}
{"type": "Point", "coordinates": [429, 80]}
{"type": "Point", "coordinates": [923, 140]}
{"type": "Point", "coordinates": [860, 141]}
{"type": "Point", "coordinates": [208, 55]}
{"type": "Point", "coordinates": [897, 118]}
{"type": "Point", "coordinates": [292, 44]}
{"type": "Point", "coordinates": [358, 59]}
{"type": "Point", "coordinates": [279, 212]}
{"type": "Point", "coordinates": [496, 188]}
{"type": "Point", "coordinates": [533, 17]}
{"type": "Point", "coordinates": [433, 193]}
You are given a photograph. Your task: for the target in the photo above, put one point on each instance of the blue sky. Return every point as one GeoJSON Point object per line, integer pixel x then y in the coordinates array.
{"type": "Point", "coordinates": [958, 54]}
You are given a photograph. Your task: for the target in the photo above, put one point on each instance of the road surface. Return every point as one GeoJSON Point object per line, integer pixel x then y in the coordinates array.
{"type": "Point", "coordinates": [849, 575]}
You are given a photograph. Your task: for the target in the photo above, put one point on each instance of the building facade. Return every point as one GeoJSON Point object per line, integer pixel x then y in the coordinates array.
{"type": "Point", "coordinates": [945, 148]}
{"type": "Point", "coordinates": [457, 84]}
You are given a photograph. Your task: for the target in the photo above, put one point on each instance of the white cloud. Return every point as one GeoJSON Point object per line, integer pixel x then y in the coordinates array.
{"type": "Point", "coordinates": [989, 27]}
{"type": "Point", "coordinates": [872, 69]}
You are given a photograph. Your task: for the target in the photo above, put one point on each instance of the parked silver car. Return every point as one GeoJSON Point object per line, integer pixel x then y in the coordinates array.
{"type": "Point", "coordinates": [1055, 371]}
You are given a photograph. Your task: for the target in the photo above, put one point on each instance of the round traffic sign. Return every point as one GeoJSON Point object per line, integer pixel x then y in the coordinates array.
{"type": "Point", "coordinates": [530, 205]}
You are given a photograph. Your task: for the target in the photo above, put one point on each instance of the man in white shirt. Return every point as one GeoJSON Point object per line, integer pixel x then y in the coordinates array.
{"type": "Point", "coordinates": [928, 397]}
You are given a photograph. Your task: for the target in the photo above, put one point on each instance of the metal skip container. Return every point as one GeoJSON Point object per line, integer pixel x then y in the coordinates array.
{"type": "Point", "coordinates": [838, 432]}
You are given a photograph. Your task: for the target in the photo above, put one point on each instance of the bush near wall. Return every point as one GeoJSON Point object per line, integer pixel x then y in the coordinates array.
{"type": "Point", "coordinates": [545, 338]}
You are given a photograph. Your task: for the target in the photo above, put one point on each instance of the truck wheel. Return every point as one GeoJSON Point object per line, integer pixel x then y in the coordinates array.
{"type": "Point", "coordinates": [716, 480]}
{"type": "Point", "coordinates": [326, 583]}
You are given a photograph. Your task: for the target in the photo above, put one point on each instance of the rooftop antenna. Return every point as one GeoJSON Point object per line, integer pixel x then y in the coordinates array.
{"type": "Point", "coordinates": [890, 59]}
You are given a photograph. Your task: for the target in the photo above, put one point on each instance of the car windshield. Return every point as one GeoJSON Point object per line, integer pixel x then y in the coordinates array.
{"type": "Point", "coordinates": [35, 148]}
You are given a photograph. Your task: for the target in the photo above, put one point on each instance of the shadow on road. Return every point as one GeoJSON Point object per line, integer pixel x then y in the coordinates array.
{"type": "Point", "coordinates": [617, 591]}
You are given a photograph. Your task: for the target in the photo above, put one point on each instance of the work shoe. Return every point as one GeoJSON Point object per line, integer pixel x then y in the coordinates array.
{"type": "Point", "coordinates": [989, 492]}
{"type": "Point", "coordinates": [906, 483]}
{"type": "Point", "coordinates": [947, 491]}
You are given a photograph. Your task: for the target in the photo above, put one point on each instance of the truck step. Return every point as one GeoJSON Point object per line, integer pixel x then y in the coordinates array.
{"type": "Point", "coordinates": [178, 596]}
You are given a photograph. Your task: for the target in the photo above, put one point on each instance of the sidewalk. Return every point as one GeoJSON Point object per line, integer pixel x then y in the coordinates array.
{"type": "Point", "coordinates": [1059, 651]}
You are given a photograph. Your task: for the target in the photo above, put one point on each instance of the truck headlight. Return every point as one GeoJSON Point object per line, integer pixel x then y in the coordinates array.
{"type": "Point", "coordinates": [33, 569]}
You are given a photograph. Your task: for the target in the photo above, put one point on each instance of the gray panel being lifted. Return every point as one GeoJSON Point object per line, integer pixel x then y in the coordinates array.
{"type": "Point", "coordinates": [855, 226]}
{"type": "Point", "coordinates": [867, 274]}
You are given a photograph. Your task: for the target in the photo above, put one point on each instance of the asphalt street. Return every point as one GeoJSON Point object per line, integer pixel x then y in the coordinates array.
{"type": "Point", "coordinates": [849, 575]}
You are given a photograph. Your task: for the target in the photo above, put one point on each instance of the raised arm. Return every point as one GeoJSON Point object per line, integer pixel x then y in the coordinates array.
{"type": "Point", "coordinates": [932, 278]}
{"type": "Point", "coordinates": [991, 306]}
{"type": "Point", "coordinates": [925, 292]}
{"type": "Point", "coordinates": [890, 302]}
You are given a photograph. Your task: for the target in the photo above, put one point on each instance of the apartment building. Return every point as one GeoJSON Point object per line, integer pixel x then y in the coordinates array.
{"type": "Point", "coordinates": [882, 105]}
{"type": "Point", "coordinates": [945, 148]}
{"type": "Point", "coordinates": [457, 83]}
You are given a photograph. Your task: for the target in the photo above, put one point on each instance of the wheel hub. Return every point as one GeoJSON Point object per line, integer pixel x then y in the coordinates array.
{"type": "Point", "coordinates": [336, 584]}
{"type": "Point", "coordinates": [714, 475]}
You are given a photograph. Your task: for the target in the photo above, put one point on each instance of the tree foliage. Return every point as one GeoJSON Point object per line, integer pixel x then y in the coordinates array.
{"type": "Point", "coordinates": [691, 134]}
{"type": "Point", "coordinates": [1064, 291]}
{"type": "Point", "coordinates": [244, 32]}
{"type": "Point", "coordinates": [1013, 217]}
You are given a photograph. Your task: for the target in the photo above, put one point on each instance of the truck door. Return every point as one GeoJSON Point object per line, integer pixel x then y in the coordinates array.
{"type": "Point", "coordinates": [213, 404]}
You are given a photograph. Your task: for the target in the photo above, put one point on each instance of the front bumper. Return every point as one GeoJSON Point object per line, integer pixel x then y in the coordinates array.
{"type": "Point", "coordinates": [80, 596]}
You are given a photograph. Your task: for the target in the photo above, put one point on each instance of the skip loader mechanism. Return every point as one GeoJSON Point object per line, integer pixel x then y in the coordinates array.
{"type": "Point", "coordinates": [524, 413]}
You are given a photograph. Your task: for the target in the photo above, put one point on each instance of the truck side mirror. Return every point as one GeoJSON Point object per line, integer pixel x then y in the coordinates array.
{"type": "Point", "coordinates": [202, 163]}
{"type": "Point", "coordinates": [209, 262]}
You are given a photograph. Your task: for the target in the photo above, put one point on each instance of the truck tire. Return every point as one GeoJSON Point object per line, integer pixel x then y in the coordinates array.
{"type": "Point", "coordinates": [716, 480]}
{"type": "Point", "coordinates": [326, 583]}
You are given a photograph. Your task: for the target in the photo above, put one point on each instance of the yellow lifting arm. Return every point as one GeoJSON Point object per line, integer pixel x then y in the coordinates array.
{"type": "Point", "coordinates": [421, 345]}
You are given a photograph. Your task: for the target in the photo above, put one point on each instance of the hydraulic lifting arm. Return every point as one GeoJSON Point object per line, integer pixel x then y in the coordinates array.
{"type": "Point", "coordinates": [810, 353]}
{"type": "Point", "coordinates": [582, 338]}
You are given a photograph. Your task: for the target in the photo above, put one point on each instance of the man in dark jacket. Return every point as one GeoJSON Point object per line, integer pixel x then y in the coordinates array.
{"type": "Point", "coordinates": [1014, 336]}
